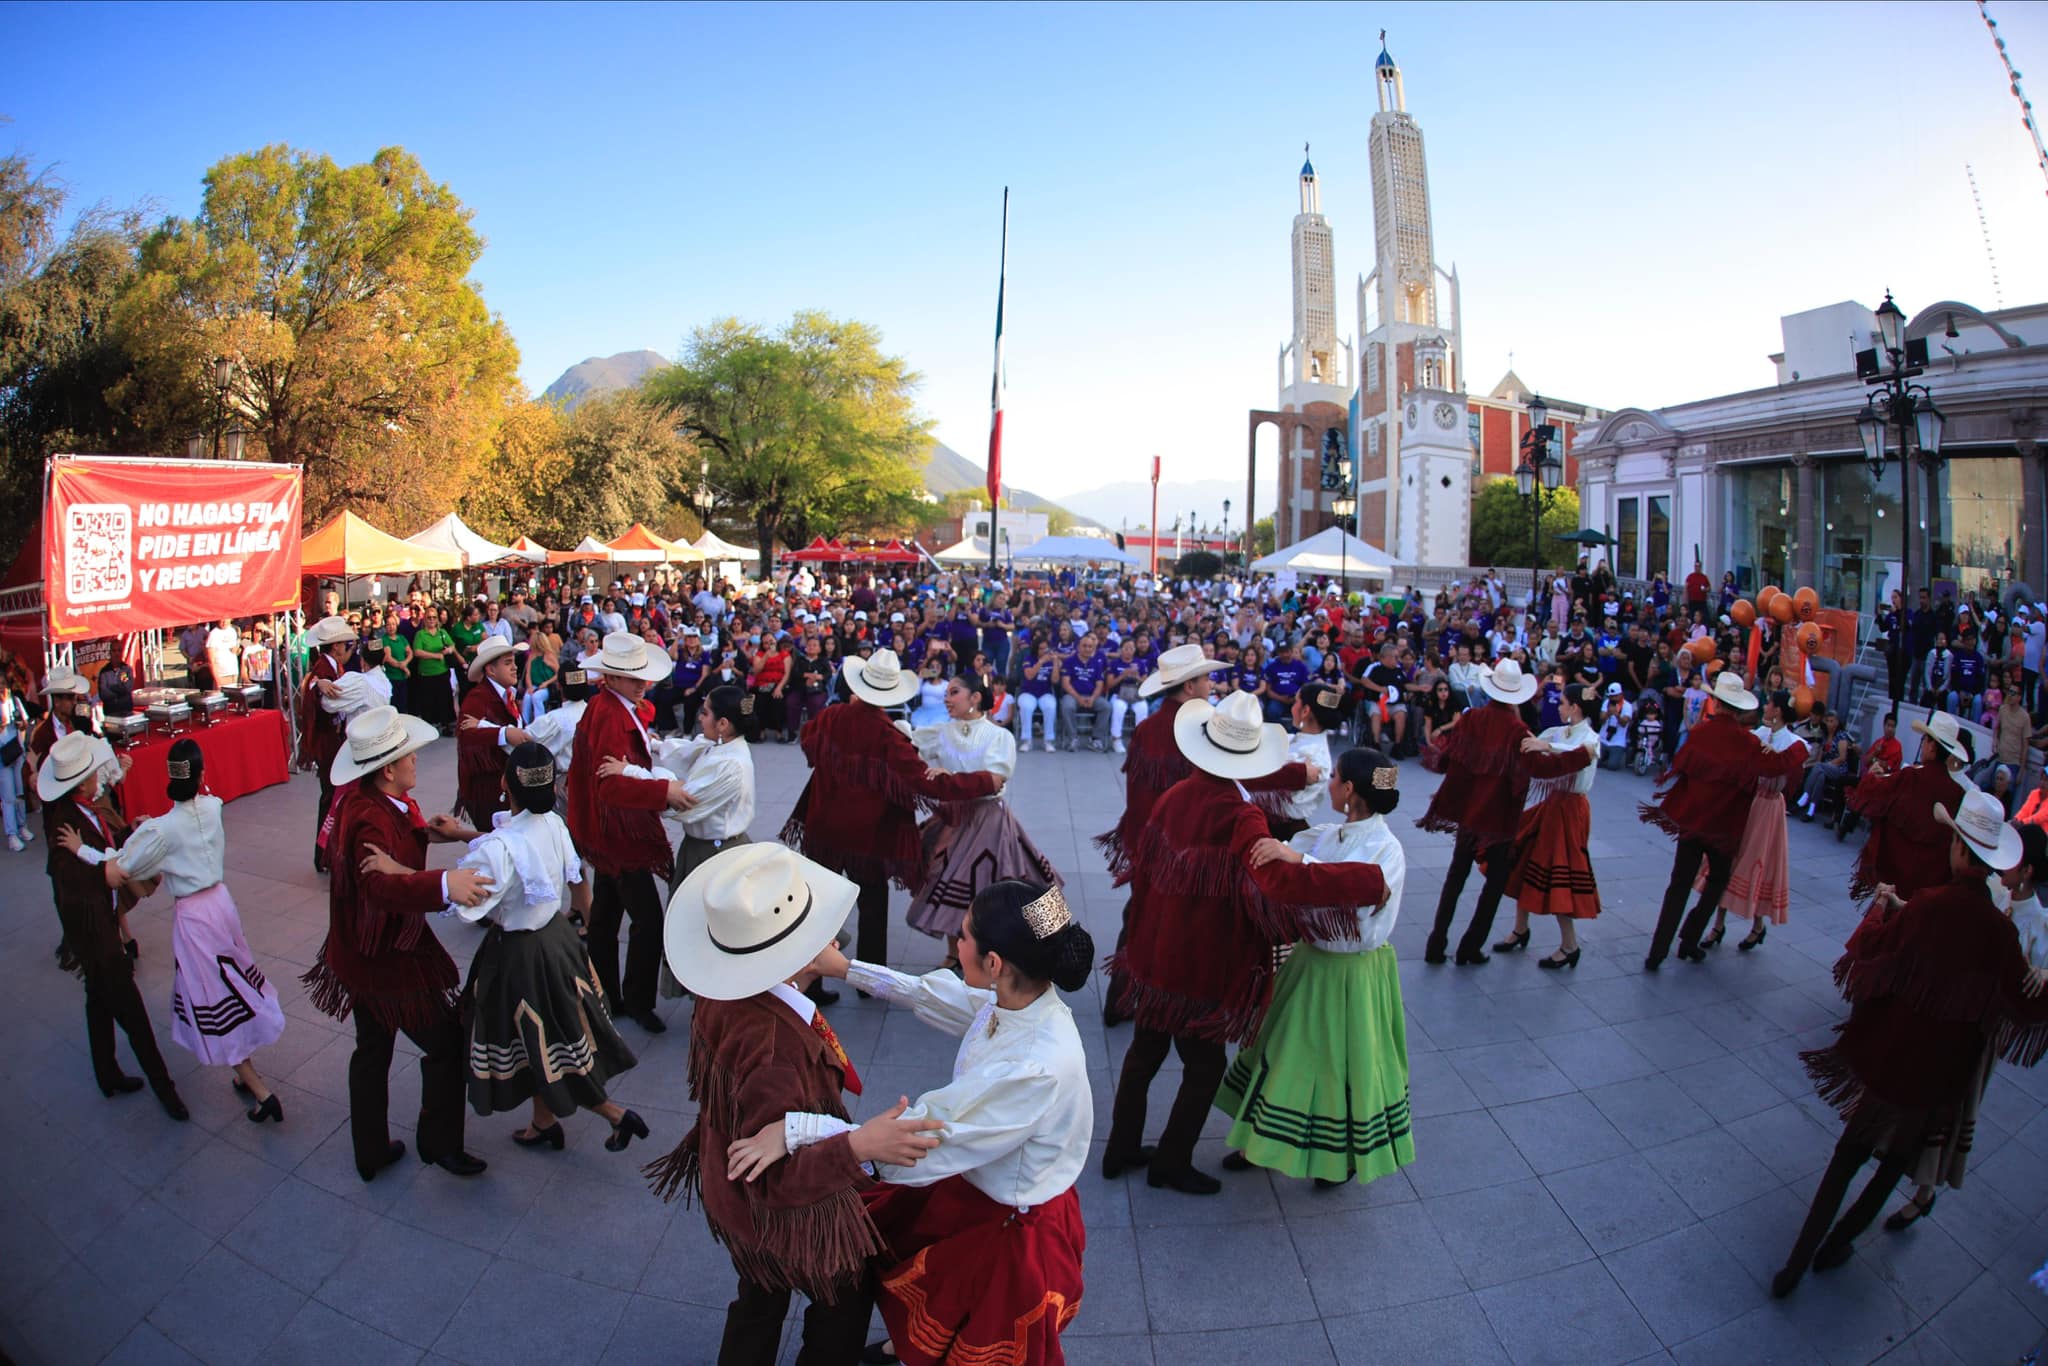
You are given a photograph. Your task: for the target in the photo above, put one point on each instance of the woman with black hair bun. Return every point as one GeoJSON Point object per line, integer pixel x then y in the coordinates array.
{"type": "Point", "coordinates": [984, 1232]}
{"type": "Point", "coordinates": [222, 1007]}
{"type": "Point", "coordinates": [1322, 1091]}
{"type": "Point", "coordinates": [972, 844]}
{"type": "Point", "coordinates": [539, 1031]}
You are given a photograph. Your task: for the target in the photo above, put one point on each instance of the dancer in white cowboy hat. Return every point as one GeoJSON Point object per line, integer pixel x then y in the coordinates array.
{"type": "Point", "coordinates": [1904, 851]}
{"type": "Point", "coordinates": [858, 813]}
{"type": "Point", "coordinates": [1204, 920]}
{"type": "Point", "coordinates": [320, 733]}
{"type": "Point", "coordinates": [747, 932]}
{"type": "Point", "coordinates": [62, 690]}
{"type": "Point", "coordinates": [616, 821]}
{"type": "Point", "coordinates": [381, 961]}
{"type": "Point", "coordinates": [1759, 886]}
{"type": "Point", "coordinates": [1479, 801]}
{"type": "Point", "coordinates": [66, 784]}
{"type": "Point", "coordinates": [487, 730]}
{"type": "Point", "coordinates": [1931, 981]}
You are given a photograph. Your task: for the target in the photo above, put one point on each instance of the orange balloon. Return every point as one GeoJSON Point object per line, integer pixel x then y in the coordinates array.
{"type": "Point", "coordinates": [1808, 636]}
{"type": "Point", "coordinates": [1711, 667]}
{"type": "Point", "coordinates": [1806, 602]}
{"type": "Point", "coordinates": [1743, 613]}
{"type": "Point", "coordinates": [1702, 649]}
{"type": "Point", "coordinates": [1802, 701]}
{"type": "Point", "coordinates": [1781, 610]}
{"type": "Point", "coordinates": [1764, 596]}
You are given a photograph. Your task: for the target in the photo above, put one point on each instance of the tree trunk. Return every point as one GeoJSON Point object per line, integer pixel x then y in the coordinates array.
{"type": "Point", "coordinates": [766, 523]}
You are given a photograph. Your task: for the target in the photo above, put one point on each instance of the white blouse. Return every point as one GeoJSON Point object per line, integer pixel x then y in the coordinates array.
{"type": "Point", "coordinates": [557, 730]}
{"type": "Point", "coordinates": [1779, 740]}
{"type": "Point", "coordinates": [1579, 736]}
{"type": "Point", "coordinates": [2031, 920]}
{"type": "Point", "coordinates": [977, 746]}
{"type": "Point", "coordinates": [720, 777]}
{"type": "Point", "coordinates": [530, 861]}
{"type": "Point", "coordinates": [1371, 840]}
{"type": "Point", "coordinates": [1313, 750]}
{"type": "Point", "coordinates": [186, 844]}
{"type": "Point", "coordinates": [357, 693]}
{"type": "Point", "coordinates": [1018, 1112]}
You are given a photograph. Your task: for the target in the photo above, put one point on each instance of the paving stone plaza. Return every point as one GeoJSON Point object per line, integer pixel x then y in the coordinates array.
{"type": "Point", "coordinates": [1610, 1164]}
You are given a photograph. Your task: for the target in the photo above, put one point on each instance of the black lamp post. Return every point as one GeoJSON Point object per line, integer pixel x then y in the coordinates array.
{"type": "Point", "coordinates": [1344, 505]}
{"type": "Point", "coordinates": [223, 376]}
{"type": "Point", "coordinates": [1226, 528]}
{"type": "Point", "coordinates": [1540, 471]}
{"type": "Point", "coordinates": [1898, 403]}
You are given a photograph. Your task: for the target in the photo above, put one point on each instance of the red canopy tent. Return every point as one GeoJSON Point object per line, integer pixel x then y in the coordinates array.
{"type": "Point", "coordinates": [819, 551]}
{"type": "Point", "coordinates": [892, 553]}
{"type": "Point", "coordinates": [22, 612]}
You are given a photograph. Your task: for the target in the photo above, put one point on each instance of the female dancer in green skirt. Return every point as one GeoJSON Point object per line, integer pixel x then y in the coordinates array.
{"type": "Point", "coordinates": [1323, 1090]}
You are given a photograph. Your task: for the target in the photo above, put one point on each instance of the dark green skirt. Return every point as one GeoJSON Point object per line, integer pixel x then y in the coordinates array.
{"type": "Point", "coordinates": [538, 1024]}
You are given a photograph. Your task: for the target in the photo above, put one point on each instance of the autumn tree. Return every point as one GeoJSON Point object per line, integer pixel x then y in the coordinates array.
{"type": "Point", "coordinates": [1504, 529]}
{"type": "Point", "coordinates": [511, 485]}
{"type": "Point", "coordinates": [362, 349]}
{"type": "Point", "coordinates": [809, 428]}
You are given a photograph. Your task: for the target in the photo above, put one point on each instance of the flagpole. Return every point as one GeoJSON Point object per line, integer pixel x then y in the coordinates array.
{"type": "Point", "coordinates": [995, 427]}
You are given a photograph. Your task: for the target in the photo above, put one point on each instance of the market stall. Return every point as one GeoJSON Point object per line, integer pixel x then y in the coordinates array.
{"type": "Point", "coordinates": [244, 753]}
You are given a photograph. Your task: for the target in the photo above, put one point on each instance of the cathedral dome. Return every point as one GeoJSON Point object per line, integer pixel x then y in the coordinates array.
{"type": "Point", "coordinates": [1385, 63]}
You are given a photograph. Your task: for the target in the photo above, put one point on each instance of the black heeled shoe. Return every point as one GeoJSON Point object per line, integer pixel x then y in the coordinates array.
{"type": "Point", "coordinates": [1713, 941]}
{"type": "Point", "coordinates": [271, 1109]}
{"type": "Point", "coordinates": [391, 1155]}
{"type": "Point", "coordinates": [530, 1137]}
{"type": "Point", "coordinates": [124, 1085]}
{"type": "Point", "coordinates": [1750, 941]}
{"type": "Point", "coordinates": [1514, 943]}
{"type": "Point", "coordinates": [629, 1127]}
{"type": "Point", "coordinates": [1833, 1254]}
{"type": "Point", "coordinates": [1188, 1181]}
{"type": "Point", "coordinates": [1911, 1213]}
{"type": "Point", "coordinates": [1235, 1161]}
{"type": "Point", "coordinates": [1570, 960]}
{"type": "Point", "coordinates": [1116, 1164]}
{"type": "Point", "coordinates": [1472, 958]}
{"type": "Point", "coordinates": [1324, 1183]}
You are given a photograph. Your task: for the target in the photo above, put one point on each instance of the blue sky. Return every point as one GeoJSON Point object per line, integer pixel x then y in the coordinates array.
{"type": "Point", "coordinates": [1632, 194]}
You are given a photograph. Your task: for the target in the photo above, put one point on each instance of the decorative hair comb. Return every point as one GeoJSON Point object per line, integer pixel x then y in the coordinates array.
{"type": "Point", "coordinates": [1048, 915]}
{"type": "Point", "coordinates": [747, 705]}
{"type": "Point", "coordinates": [535, 777]}
{"type": "Point", "coordinates": [1332, 698]}
{"type": "Point", "coordinates": [573, 678]}
{"type": "Point", "coordinates": [178, 768]}
{"type": "Point", "coordinates": [1386, 779]}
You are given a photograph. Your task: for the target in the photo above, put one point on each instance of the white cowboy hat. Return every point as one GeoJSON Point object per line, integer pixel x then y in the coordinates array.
{"type": "Point", "coordinates": [1980, 822]}
{"type": "Point", "coordinates": [70, 762]}
{"type": "Point", "coordinates": [1177, 665]}
{"type": "Point", "coordinates": [1729, 692]}
{"type": "Point", "coordinates": [65, 682]}
{"type": "Point", "coordinates": [494, 647]}
{"type": "Point", "coordinates": [879, 679]}
{"type": "Point", "coordinates": [750, 916]}
{"type": "Point", "coordinates": [329, 631]}
{"type": "Point", "coordinates": [627, 656]}
{"type": "Point", "coordinates": [378, 737]}
{"type": "Point", "coordinates": [1941, 728]}
{"type": "Point", "coordinates": [1230, 739]}
{"type": "Point", "coordinates": [1505, 682]}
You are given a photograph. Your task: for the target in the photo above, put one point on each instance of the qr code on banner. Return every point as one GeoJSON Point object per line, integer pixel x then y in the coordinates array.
{"type": "Point", "coordinates": [99, 551]}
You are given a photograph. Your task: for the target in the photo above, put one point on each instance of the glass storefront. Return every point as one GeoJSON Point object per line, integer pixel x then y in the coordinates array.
{"type": "Point", "coordinates": [1759, 522]}
{"type": "Point", "coordinates": [1982, 513]}
{"type": "Point", "coordinates": [1659, 539]}
{"type": "Point", "coordinates": [1626, 514]}
{"type": "Point", "coordinates": [1859, 534]}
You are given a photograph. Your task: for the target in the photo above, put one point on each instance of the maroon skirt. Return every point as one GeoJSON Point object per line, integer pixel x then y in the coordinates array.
{"type": "Point", "coordinates": [974, 1283]}
{"type": "Point", "coordinates": [1553, 873]}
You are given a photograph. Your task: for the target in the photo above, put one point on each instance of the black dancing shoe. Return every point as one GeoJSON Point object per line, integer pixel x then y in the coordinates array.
{"type": "Point", "coordinates": [1785, 1282]}
{"type": "Point", "coordinates": [1472, 958]}
{"type": "Point", "coordinates": [1235, 1161]}
{"type": "Point", "coordinates": [1713, 941]}
{"type": "Point", "coordinates": [1832, 1254]}
{"type": "Point", "coordinates": [651, 1022]}
{"type": "Point", "coordinates": [271, 1109]}
{"type": "Point", "coordinates": [391, 1155]}
{"type": "Point", "coordinates": [1754, 938]}
{"type": "Point", "coordinates": [878, 1354]}
{"type": "Point", "coordinates": [1188, 1181]}
{"type": "Point", "coordinates": [629, 1127]}
{"type": "Point", "coordinates": [1514, 943]}
{"type": "Point", "coordinates": [1433, 953]}
{"type": "Point", "coordinates": [457, 1163]}
{"type": "Point", "coordinates": [174, 1104]}
{"type": "Point", "coordinates": [1695, 954]}
{"type": "Point", "coordinates": [551, 1137]}
{"type": "Point", "coordinates": [1116, 1164]}
{"type": "Point", "coordinates": [1570, 960]}
{"type": "Point", "coordinates": [1653, 962]}
{"type": "Point", "coordinates": [123, 1085]}
{"type": "Point", "coordinates": [1324, 1183]}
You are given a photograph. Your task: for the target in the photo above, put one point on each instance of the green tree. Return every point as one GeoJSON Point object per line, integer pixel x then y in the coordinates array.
{"type": "Point", "coordinates": [812, 427]}
{"type": "Point", "coordinates": [622, 462]}
{"type": "Point", "coordinates": [1502, 527]}
{"type": "Point", "coordinates": [342, 293]}
{"type": "Point", "coordinates": [511, 487]}
{"type": "Point", "coordinates": [1262, 537]}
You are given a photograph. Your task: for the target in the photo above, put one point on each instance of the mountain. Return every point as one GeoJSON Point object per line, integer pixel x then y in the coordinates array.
{"type": "Point", "coordinates": [949, 472]}
{"type": "Point", "coordinates": [601, 374]}
{"type": "Point", "coordinates": [1128, 505]}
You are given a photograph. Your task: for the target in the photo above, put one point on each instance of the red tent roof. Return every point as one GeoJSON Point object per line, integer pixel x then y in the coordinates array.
{"type": "Point", "coordinates": [819, 551]}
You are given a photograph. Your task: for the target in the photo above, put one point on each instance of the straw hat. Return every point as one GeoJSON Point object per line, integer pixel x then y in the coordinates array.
{"type": "Point", "coordinates": [378, 737]}
{"type": "Point", "coordinates": [1729, 692]}
{"type": "Point", "coordinates": [879, 679]}
{"type": "Point", "coordinates": [1981, 824]}
{"type": "Point", "coordinates": [65, 682]}
{"type": "Point", "coordinates": [1505, 682]}
{"type": "Point", "coordinates": [627, 656]}
{"type": "Point", "coordinates": [330, 631]}
{"type": "Point", "coordinates": [750, 916]}
{"type": "Point", "coordinates": [494, 647]}
{"type": "Point", "coordinates": [1176, 666]}
{"type": "Point", "coordinates": [70, 762]}
{"type": "Point", "coordinates": [1231, 739]}
{"type": "Point", "coordinates": [1941, 728]}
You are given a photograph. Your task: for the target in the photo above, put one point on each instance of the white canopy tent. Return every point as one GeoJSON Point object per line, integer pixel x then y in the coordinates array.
{"type": "Point", "coordinates": [970, 551]}
{"type": "Point", "coordinates": [716, 548]}
{"type": "Point", "coordinates": [452, 534]}
{"type": "Point", "coordinates": [1071, 550]}
{"type": "Point", "coordinates": [1332, 550]}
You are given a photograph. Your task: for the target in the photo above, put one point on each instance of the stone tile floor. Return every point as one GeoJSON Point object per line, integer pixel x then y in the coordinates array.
{"type": "Point", "coordinates": [1610, 1164]}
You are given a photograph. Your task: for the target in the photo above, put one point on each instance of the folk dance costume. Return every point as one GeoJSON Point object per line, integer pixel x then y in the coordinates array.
{"type": "Point", "coordinates": [1198, 964]}
{"type": "Point", "coordinates": [969, 845]}
{"type": "Point", "coordinates": [1288, 812]}
{"type": "Point", "coordinates": [1759, 877]}
{"type": "Point", "coordinates": [1931, 984]}
{"type": "Point", "coordinates": [1553, 875]}
{"type": "Point", "coordinates": [1322, 1091]}
{"type": "Point", "coordinates": [1479, 801]}
{"type": "Point", "coordinates": [719, 776]}
{"type": "Point", "coordinates": [739, 928]}
{"type": "Point", "coordinates": [320, 731]}
{"type": "Point", "coordinates": [858, 813]}
{"type": "Point", "coordinates": [354, 694]}
{"type": "Point", "coordinates": [1711, 783]}
{"type": "Point", "coordinates": [480, 748]}
{"type": "Point", "coordinates": [1905, 849]}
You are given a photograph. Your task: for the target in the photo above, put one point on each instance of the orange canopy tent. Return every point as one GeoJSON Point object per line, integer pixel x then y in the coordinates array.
{"type": "Point", "coordinates": [531, 551]}
{"type": "Point", "coordinates": [637, 545]}
{"type": "Point", "coordinates": [589, 548]}
{"type": "Point", "coordinates": [347, 546]}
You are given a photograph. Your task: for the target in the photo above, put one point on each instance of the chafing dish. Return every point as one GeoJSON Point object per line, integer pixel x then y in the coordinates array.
{"type": "Point", "coordinates": [246, 698]}
{"type": "Point", "coordinates": [125, 730]}
{"type": "Point", "coordinates": [210, 705]}
{"type": "Point", "coordinates": [169, 718]}
{"type": "Point", "coordinates": [164, 697]}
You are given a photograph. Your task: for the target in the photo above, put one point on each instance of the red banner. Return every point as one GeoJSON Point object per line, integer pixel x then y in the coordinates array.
{"type": "Point", "coordinates": [131, 545]}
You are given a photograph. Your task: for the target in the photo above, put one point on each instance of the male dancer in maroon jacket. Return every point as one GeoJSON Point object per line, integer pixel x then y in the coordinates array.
{"type": "Point", "coordinates": [1480, 801]}
{"type": "Point", "coordinates": [1712, 785]}
{"type": "Point", "coordinates": [319, 733]}
{"type": "Point", "coordinates": [487, 731]}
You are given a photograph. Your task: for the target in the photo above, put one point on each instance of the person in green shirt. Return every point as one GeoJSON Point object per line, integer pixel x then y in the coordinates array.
{"type": "Point", "coordinates": [397, 660]}
{"type": "Point", "coordinates": [467, 635]}
{"type": "Point", "coordinates": [432, 652]}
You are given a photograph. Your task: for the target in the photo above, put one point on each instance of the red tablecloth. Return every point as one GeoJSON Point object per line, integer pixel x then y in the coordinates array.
{"type": "Point", "coordinates": [243, 754]}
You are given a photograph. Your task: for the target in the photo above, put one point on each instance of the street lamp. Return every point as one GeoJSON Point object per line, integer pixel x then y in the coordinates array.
{"type": "Point", "coordinates": [223, 376]}
{"type": "Point", "coordinates": [1908, 409]}
{"type": "Point", "coordinates": [1226, 527]}
{"type": "Point", "coordinates": [1343, 506]}
{"type": "Point", "coordinates": [1539, 472]}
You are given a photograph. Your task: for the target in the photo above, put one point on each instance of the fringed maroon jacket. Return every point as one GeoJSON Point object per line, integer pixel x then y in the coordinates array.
{"type": "Point", "coordinates": [1152, 764]}
{"type": "Point", "coordinates": [1485, 779]}
{"type": "Point", "coordinates": [1907, 847]}
{"type": "Point", "coordinates": [1711, 784]}
{"type": "Point", "coordinates": [320, 734]}
{"type": "Point", "coordinates": [616, 821]}
{"type": "Point", "coordinates": [479, 759]}
{"type": "Point", "coordinates": [1204, 922]}
{"type": "Point", "coordinates": [381, 957]}
{"type": "Point", "coordinates": [858, 813]}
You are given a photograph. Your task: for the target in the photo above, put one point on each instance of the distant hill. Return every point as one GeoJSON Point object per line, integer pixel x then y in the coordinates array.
{"type": "Point", "coordinates": [950, 472]}
{"type": "Point", "coordinates": [601, 374]}
{"type": "Point", "coordinates": [1129, 503]}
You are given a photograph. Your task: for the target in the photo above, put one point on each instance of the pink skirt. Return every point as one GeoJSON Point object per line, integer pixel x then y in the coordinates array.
{"type": "Point", "coordinates": [222, 1008]}
{"type": "Point", "coordinates": [1759, 878]}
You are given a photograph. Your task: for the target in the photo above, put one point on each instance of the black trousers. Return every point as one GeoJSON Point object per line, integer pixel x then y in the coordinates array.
{"type": "Point", "coordinates": [834, 1334]}
{"type": "Point", "coordinates": [112, 998]}
{"type": "Point", "coordinates": [1499, 863]}
{"type": "Point", "coordinates": [1851, 1152]}
{"type": "Point", "coordinates": [444, 1079]}
{"type": "Point", "coordinates": [873, 944]}
{"type": "Point", "coordinates": [1685, 865]}
{"type": "Point", "coordinates": [634, 897]}
{"type": "Point", "coordinates": [1202, 1067]}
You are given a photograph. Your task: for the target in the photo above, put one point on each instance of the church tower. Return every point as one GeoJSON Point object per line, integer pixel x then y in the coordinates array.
{"type": "Point", "coordinates": [1315, 368]}
{"type": "Point", "coordinates": [1407, 306]}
